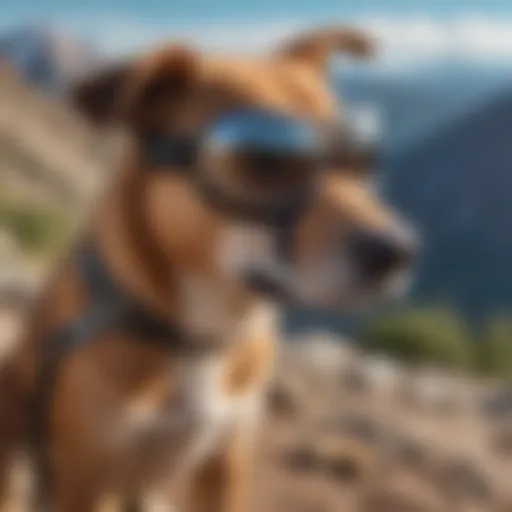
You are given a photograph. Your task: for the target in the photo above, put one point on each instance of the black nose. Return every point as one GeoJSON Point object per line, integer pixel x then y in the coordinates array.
{"type": "Point", "coordinates": [379, 253]}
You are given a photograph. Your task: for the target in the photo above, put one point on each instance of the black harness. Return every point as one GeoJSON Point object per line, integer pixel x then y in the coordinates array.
{"type": "Point", "coordinates": [111, 308]}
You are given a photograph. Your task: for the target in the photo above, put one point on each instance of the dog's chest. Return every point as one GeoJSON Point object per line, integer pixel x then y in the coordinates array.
{"type": "Point", "coordinates": [185, 416]}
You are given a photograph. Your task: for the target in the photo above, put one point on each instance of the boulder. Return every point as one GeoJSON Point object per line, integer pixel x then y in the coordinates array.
{"type": "Point", "coordinates": [406, 452]}
{"type": "Point", "coordinates": [345, 459]}
{"type": "Point", "coordinates": [401, 492]}
{"type": "Point", "coordinates": [462, 479]}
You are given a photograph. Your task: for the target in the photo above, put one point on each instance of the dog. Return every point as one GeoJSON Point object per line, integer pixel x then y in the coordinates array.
{"type": "Point", "coordinates": [235, 194]}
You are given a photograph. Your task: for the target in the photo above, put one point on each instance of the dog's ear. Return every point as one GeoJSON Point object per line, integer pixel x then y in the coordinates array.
{"type": "Point", "coordinates": [160, 80]}
{"type": "Point", "coordinates": [129, 92]}
{"type": "Point", "coordinates": [96, 97]}
{"type": "Point", "coordinates": [316, 46]}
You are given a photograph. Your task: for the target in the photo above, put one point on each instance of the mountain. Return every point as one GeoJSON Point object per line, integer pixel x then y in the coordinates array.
{"type": "Point", "coordinates": [413, 104]}
{"type": "Point", "coordinates": [447, 158]}
{"type": "Point", "coordinates": [46, 57]}
{"type": "Point", "coordinates": [46, 151]}
{"type": "Point", "coordinates": [447, 167]}
{"type": "Point", "coordinates": [456, 185]}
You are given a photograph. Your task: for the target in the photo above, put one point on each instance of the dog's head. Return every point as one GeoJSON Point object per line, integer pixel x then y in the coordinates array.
{"type": "Point", "coordinates": [252, 177]}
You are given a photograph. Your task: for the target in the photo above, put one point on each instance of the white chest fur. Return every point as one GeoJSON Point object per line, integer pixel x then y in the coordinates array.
{"type": "Point", "coordinates": [193, 410]}
{"type": "Point", "coordinates": [171, 435]}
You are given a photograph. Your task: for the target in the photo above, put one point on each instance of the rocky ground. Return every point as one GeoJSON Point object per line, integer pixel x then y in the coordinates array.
{"type": "Point", "coordinates": [349, 432]}
{"type": "Point", "coordinates": [365, 435]}
{"type": "Point", "coordinates": [345, 431]}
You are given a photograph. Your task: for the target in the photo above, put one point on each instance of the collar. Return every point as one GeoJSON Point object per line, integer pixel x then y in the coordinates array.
{"type": "Point", "coordinates": [127, 313]}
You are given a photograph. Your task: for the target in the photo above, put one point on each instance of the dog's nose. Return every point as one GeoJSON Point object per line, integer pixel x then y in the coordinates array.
{"type": "Point", "coordinates": [379, 253]}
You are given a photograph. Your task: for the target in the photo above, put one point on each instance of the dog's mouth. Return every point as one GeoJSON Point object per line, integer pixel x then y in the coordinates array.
{"type": "Point", "coordinates": [339, 279]}
{"type": "Point", "coordinates": [338, 294]}
{"type": "Point", "coordinates": [270, 286]}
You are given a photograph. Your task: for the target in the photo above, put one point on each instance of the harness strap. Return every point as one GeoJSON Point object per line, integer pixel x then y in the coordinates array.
{"type": "Point", "coordinates": [110, 308]}
{"type": "Point", "coordinates": [72, 336]}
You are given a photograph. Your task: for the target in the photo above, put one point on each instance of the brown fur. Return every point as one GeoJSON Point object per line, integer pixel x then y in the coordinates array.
{"type": "Point", "coordinates": [152, 228]}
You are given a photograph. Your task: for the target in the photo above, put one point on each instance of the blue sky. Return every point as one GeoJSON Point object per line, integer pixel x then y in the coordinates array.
{"type": "Point", "coordinates": [221, 9]}
{"type": "Point", "coordinates": [410, 30]}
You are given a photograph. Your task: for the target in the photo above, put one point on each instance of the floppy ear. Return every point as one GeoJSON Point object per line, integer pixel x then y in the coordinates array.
{"type": "Point", "coordinates": [160, 80]}
{"type": "Point", "coordinates": [316, 46]}
{"type": "Point", "coordinates": [97, 96]}
{"type": "Point", "coordinates": [130, 92]}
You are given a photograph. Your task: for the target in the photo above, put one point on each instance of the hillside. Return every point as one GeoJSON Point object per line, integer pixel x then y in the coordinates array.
{"type": "Point", "coordinates": [45, 150]}
{"type": "Point", "coordinates": [412, 105]}
{"type": "Point", "coordinates": [457, 186]}
{"type": "Point", "coordinates": [46, 57]}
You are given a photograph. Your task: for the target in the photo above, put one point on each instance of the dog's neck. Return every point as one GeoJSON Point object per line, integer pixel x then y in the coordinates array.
{"type": "Point", "coordinates": [138, 264]}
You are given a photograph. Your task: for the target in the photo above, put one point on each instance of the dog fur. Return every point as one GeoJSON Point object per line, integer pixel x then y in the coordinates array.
{"type": "Point", "coordinates": [127, 416]}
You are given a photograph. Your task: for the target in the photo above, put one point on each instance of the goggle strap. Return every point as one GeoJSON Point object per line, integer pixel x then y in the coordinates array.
{"type": "Point", "coordinates": [167, 151]}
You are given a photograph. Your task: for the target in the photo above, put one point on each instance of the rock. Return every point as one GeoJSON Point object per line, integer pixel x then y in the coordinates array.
{"type": "Point", "coordinates": [496, 405]}
{"type": "Point", "coordinates": [408, 453]}
{"type": "Point", "coordinates": [323, 356]}
{"type": "Point", "coordinates": [311, 366]}
{"type": "Point", "coordinates": [463, 479]}
{"type": "Point", "coordinates": [345, 459]}
{"type": "Point", "coordinates": [501, 440]}
{"type": "Point", "coordinates": [285, 399]}
{"type": "Point", "coordinates": [400, 492]}
{"type": "Point", "coordinates": [354, 380]}
{"type": "Point", "coordinates": [504, 504]}
{"type": "Point", "coordinates": [434, 391]}
{"type": "Point", "coordinates": [9, 248]}
{"type": "Point", "coordinates": [372, 374]}
{"type": "Point", "coordinates": [290, 502]}
{"type": "Point", "coordinates": [301, 458]}
{"type": "Point", "coordinates": [359, 426]}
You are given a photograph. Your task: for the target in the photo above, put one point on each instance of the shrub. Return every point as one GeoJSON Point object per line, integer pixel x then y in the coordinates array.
{"type": "Point", "coordinates": [40, 230]}
{"type": "Point", "coordinates": [494, 352]}
{"type": "Point", "coordinates": [432, 335]}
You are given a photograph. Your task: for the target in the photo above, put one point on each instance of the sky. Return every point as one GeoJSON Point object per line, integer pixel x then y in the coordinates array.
{"type": "Point", "coordinates": [409, 30]}
{"type": "Point", "coordinates": [194, 9]}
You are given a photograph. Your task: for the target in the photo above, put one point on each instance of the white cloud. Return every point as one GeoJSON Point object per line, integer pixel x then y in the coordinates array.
{"type": "Point", "coordinates": [404, 41]}
{"type": "Point", "coordinates": [117, 35]}
{"type": "Point", "coordinates": [422, 37]}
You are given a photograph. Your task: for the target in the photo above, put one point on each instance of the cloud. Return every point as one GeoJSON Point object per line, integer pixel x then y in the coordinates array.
{"type": "Point", "coordinates": [469, 37]}
{"type": "Point", "coordinates": [404, 41]}
{"type": "Point", "coordinates": [120, 35]}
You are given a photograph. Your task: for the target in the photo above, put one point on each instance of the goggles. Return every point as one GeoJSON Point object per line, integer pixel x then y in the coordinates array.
{"type": "Point", "coordinates": [263, 164]}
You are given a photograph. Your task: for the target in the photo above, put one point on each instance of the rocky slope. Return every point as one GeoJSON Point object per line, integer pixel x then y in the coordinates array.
{"type": "Point", "coordinates": [45, 149]}
{"type": "Point", "coordinates": [457, 186]}
{"type": "Point", "coordinates": [46, 57]}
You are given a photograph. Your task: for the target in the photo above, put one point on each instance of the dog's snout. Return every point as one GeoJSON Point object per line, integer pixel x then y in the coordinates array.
{"type": "Point", "coordinates": [379, 253]}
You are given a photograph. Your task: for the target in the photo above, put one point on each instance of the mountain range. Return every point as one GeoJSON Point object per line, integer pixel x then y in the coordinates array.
{"type": "Point", "coordinates": [447, 160]}
{"type": "Point", "coordinates": [46, 57]}
{"type": "Point", "coordinates": [456, 185]}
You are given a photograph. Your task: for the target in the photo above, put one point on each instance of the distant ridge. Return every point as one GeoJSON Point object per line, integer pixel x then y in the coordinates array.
{"type": "Point", "coordinates": [46, 152]}
{"type": "Point", "coordinates": [457, 185]}
{"type": "Point", "coordinates": [47, 57]}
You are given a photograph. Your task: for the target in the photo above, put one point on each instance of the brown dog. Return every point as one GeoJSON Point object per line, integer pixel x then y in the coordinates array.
{"type": "Point", "coordinates": [196, 242]}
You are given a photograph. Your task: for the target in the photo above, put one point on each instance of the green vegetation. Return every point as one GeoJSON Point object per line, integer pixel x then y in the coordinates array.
{"type": "Point", "coordinates": [440, 335]}
{"type": "Point", "coordinates": [432, 334]}
{"type": "Point", "coordinates": [40, 230]}
{"type": "Point", "coordinates": [494, 353]}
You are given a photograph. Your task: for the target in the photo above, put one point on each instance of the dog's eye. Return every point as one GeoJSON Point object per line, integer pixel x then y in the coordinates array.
{"type": "Point", "coordinates": [271, 169]}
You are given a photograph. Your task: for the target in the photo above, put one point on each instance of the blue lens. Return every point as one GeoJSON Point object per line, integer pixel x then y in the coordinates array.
{"type": "Point", "coordinates": [264, 130]}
